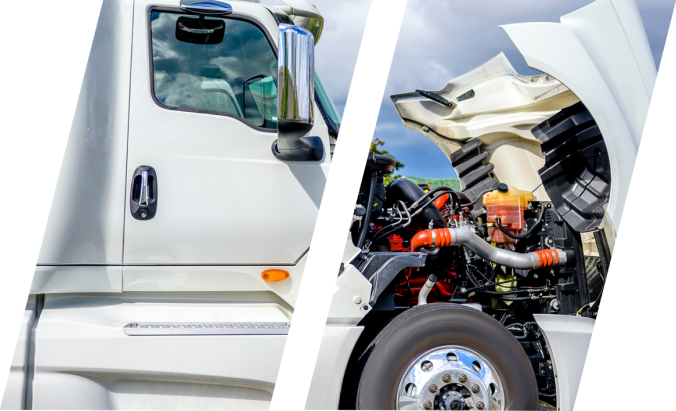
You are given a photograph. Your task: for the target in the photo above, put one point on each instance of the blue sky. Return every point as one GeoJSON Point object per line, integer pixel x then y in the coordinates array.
{"type": "Point", "coordinates": [442, 39]}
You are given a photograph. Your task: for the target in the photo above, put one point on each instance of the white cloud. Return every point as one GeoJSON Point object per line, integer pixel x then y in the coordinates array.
{"type": "Point", "coordinates": [442, 39]}
{"type": "Point", "coordinates": [439, 40]}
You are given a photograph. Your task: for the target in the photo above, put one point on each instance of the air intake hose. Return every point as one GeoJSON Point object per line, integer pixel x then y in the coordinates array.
{"type": "Point", "coordinates": [445, 237]}
{"type": "Point", "coordinates": [409, 192]}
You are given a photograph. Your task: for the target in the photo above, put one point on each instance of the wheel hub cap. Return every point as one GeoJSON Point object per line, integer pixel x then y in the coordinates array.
{"type": "Point", "coordinates": [450, 378]}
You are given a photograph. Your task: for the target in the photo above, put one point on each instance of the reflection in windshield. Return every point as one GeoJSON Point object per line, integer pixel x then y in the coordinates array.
{"type": "Point", "coordinates": [327, 107]}
{"type": "Point", "coordinates": [236, 76]}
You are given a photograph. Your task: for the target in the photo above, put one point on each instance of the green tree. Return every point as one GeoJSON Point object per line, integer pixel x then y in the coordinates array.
{"type": "Point", "coordinates": [376, 147]}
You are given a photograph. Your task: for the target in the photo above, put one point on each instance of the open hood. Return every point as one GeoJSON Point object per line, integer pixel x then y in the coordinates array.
{"type": "Point", "coordinates": [484, 118]}
{"type": "Point", "coordinates": [599, 54]}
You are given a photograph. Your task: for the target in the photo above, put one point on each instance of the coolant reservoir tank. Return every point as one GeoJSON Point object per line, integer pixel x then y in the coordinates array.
{"type": "Point", "coordinates": [507, 203]}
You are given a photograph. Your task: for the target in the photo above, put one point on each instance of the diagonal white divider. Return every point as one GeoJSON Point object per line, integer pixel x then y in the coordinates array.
{"type": "Point", "coordinates": [634, 337]}
{"type": "Point", "coordinates": [335, 214]}
{"type": "Point", "coordinates": [45, 50]}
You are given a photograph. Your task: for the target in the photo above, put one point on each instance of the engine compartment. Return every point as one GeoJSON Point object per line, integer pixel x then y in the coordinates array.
{"type": "Point", "coordinates": [500, 250]}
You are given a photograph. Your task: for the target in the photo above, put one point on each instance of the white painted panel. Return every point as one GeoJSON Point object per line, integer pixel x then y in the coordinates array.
{"type": "Point", "coordinates": [213, 278]}
{"type": "Point", "coordinates": [568, 340]}
{"type": "Point", "coordinates": [87, 215]}
{"type": "Point", "coordinates": [334, 353]}
{"type": "Point", "coordinates": [85, 360]}
{"type": "Point", "coordinates": [77, 279]}
{"type": "Point", "coordinates": [13, 398]}
{"type": "Point", "coordinates": [223, 197]}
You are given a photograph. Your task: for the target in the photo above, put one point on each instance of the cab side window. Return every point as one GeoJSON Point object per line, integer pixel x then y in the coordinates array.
{"type": "Point", "coordinates": [220, 66]}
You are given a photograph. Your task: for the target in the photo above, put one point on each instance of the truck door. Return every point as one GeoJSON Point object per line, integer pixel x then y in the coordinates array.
{"type": "Point", "coordinates": [202, 123]}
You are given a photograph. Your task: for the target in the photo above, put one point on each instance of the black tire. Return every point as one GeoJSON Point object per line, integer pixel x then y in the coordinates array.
{"type": "Point", "coordinates": [422, 328]}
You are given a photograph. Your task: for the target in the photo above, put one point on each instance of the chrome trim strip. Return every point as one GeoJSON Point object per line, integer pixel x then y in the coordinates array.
{"type": "Point", "coordinates": [157, 329]}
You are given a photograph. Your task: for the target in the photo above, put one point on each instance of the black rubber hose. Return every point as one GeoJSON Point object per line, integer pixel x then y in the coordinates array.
{"type": "Point", "coordinates": [527, 233]}
{"type": "Point", "coordinates": [479, 288]}
{"type": "Point", "coordinates": [482, 289]}
{"type": "Point", "coordinates": [380, 236]}
{"type": "Point", "coordinates": [369, 208]}
{"type": "Point", "coordinates": [447, 190]}
{"type": "Point", "coordinates": [518, 290]}
{"type": "Point", "coordinates": [494, 272]}
{"type": "Point", "coordinates": [519, 298]}
{"type": "Point", "coordinates": [492, 284]}
{"type": "Point", "coordinates": [396, 225]}
{"type": "Point", "coordinates": [479, 197]}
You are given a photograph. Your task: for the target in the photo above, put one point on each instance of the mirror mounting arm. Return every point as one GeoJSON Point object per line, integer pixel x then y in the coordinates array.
{"type": "Point", "coordinates": [311, 149]}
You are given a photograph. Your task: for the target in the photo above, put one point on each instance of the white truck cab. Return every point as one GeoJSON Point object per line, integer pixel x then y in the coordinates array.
{"type": "Point", "coordinates": [182, 201]}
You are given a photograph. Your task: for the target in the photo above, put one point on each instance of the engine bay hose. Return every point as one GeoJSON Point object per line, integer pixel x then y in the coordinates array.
{"type": "Point", "coordinates": [369, 208]}
{"type": "Point", "coordinates": [524, 235]}
{"type": "Point", "coordinates": [426, 288]}
{"type": "Point", "coordinates": [445, 237]}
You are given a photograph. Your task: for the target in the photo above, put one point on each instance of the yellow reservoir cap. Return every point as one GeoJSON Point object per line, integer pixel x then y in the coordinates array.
{"type": "Point", "coordinates": [513, 197]}
{"type": "Point", "coordinates": [275, 275]}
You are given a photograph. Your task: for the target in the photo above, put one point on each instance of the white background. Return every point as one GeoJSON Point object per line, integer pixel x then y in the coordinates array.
{"type": "Point", "coordinates": [44, 54]}
{"type": "Point", "coordinates": [631, 360]}
{"type": "Point", "coordinates": [44, 49]}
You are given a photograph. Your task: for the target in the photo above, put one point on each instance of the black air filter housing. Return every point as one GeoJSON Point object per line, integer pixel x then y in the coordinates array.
{"type": "Point", "coordinates": [576, 174]}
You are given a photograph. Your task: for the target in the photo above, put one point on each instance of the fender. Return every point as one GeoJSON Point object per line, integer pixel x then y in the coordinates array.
{"type": "Point", "coordinates": [568, 340]}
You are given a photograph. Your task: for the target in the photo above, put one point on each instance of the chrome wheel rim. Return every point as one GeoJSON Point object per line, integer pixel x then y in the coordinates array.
{"type": "Point", "coordinates": [450, 377]}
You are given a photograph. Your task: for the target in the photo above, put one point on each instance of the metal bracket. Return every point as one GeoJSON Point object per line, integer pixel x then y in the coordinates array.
{"type": "Point", "coordinates": [380, 268]}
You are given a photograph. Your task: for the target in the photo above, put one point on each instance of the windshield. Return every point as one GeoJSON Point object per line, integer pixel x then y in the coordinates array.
{"type": "Point", "coordinates": [327, 107]}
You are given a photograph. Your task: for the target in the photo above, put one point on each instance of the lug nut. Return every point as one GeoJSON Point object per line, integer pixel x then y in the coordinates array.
{"type": "Point", "coordinates": [480, 405]}
{"type": "Point", "coordinates": [447, 378]}
{"type": "Point", "coordinates": [428, 405]}
{"type": "Point", "coordinates": [475, 388]}
{"type": "Point", "coordinates": [462, 378]}
{"type": "Point", "coordinates": [433, 388]}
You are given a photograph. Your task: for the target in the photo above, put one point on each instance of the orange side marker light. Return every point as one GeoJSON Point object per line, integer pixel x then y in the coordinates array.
{"type": "Point", "coordinates": [275, 275]}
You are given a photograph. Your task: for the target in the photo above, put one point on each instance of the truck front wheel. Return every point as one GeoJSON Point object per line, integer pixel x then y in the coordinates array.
{"type": "Point", "coordinates": [445, 356]}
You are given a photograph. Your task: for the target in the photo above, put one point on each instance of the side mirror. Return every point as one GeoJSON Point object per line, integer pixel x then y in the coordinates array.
{"type": "Point", "coordinates": [295, 109]}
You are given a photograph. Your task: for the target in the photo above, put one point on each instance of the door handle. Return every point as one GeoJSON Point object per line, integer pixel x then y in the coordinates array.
{"type": "Point", "coordinates": [144, 199]}
{"type": "Point", "coordinates": [143, 195]}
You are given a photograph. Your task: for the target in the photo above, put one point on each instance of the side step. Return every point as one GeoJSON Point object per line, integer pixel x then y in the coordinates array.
{"type": "Point", "coordinates": [144, 329]}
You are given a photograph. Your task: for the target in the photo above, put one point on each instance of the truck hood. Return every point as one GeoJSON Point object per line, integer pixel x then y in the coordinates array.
{"type": "Point", "coordinates": [497, 106]}
{"type": "Point", "coordinates": [599, 54]}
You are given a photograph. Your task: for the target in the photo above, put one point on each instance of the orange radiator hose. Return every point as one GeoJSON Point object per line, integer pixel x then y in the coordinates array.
{"type": "Point", "coordinates": [444, 237]}
{"type": "Point", "coordinates": [440, 202]}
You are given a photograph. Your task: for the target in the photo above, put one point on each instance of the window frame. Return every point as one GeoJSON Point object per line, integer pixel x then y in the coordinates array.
{"type": "Point", "coordinates": [233, 16]}
{"type": "Point", "coordinates": [331, 126]}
